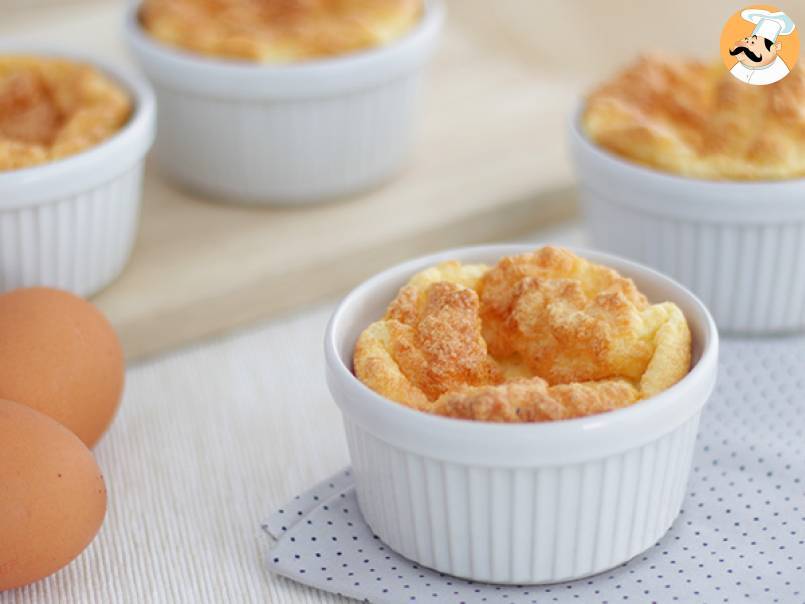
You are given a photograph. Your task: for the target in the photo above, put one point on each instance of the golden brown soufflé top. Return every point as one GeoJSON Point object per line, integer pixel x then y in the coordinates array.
{"type": "Point", "coordinates": [51, 108]}
{"type": "Point", "coordinates": [278, 31]}
{"type": "Point", "coordinates": [694, 119]}
{"type": "Point", "coordinates": [540, 336]}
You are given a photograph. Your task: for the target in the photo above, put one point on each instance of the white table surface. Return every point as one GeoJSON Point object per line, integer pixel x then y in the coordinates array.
{"type": "Point", "coordinates": [207, 442]}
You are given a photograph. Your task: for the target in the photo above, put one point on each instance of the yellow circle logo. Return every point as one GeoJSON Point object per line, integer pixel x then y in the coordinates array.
{"type": "Point", "coordinates": [760, 44]}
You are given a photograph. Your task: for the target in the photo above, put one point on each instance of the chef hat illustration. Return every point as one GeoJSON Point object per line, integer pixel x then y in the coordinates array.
{"type": "Point", "coordinates": [768, 25]}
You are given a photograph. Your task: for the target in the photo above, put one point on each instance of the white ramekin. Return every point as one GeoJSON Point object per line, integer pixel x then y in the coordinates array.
{"type": "Point", "coordinates": [740, 246]}
{"type": "Point", "coordinates": [519, 503]}
{"type": "Point", "coordinates": [304, 132]}
{"type": "Point", "coordinates": [71, 223]}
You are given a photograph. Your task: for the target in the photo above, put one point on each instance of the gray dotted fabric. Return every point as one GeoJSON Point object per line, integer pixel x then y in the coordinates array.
{"type": "Point", "coordinates": [302, 505]}
{"type": "Point", "coordinates": [740, 536]}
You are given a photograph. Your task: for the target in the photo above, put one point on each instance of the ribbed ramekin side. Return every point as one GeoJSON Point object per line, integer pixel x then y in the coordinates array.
{"type": "Point", "coordinates": [745, 273]}
{"type": "Point", "coordinates": [286, 150]}
{"type": "Point", "coordinates": [522, 525]}
{"type": "Point", "coordinates": [79, 243]}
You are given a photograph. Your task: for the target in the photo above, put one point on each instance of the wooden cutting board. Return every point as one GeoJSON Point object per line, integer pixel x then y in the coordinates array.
{"type": "Point", "coordinates": [489, 163]}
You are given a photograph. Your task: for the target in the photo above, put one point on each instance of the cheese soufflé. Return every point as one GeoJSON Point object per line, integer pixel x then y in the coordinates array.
{"type": "Point", "coordinates": [278, 31]}
{"type": "Point", "coordinates": [540, 336]}
{"type": "Point", "coordinates": [694, 119]}
{"type": "Point", "coordinates": [51, 108]}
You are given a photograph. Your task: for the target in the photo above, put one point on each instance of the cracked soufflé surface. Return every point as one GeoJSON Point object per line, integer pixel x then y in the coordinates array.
{"type": "Point", "coordinates": [694, 119]}
{"type": "Point", "coordinates": [52, 108]}
{"type": "Point", "coordinates": [540, 336]}
{"type": "Point", "coordinates": [278, 31]}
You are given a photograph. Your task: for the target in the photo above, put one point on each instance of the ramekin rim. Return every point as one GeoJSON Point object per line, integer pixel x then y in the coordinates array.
{"type": "Point", "coordinates": [142, 118]}
{"type": "Point", "coordinates": [595, 422]}
{"type": "Point", "coordinates": [431, 19]}
{"type": "Point", "coordinates": [662, 177]}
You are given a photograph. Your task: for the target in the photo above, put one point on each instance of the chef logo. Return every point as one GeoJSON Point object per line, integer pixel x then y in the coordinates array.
{"type": "Point", "coordinates": [760, 45]}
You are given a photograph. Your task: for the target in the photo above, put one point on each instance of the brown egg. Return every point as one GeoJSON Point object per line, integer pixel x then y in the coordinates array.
{"type": "Point", "coordinates": [59, 355]}
{"type": "Point", "coordinates": [52, 495]}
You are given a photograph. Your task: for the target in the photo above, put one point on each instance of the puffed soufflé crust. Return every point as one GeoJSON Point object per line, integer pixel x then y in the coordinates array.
{"type": "Point", "coordinates": [540, 336]}
{"type": "Point", "coordinates": [52, 108]}
{"type": "Point", "coordinates": [695, 119]}
{"type": "Point", "coordinates": [277, 31]}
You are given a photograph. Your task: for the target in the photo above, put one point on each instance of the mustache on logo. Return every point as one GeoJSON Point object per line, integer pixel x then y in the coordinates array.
{"type": "Point", "coordinates": [743, 49]}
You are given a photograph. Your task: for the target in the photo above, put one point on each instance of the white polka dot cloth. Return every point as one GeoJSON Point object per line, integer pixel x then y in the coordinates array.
{"type": "Point", "coordinates": [740, 536]}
